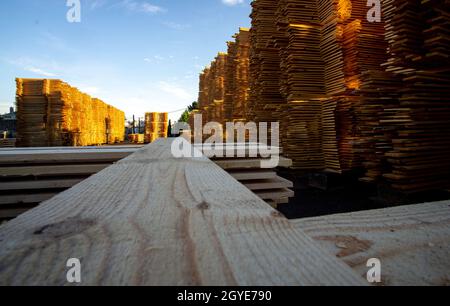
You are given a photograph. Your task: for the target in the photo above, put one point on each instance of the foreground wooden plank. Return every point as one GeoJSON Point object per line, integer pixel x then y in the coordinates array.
{"type": "Point", "coordinates": [155, 220]}
{"type": "Point", "coordinates": [412, 242]}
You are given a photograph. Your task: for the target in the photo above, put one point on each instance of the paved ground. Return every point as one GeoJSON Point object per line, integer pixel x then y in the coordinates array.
{"type": "Point", "coordinates": [346, 194]}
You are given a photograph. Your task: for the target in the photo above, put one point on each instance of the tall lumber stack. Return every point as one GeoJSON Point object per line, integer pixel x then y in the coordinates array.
{"type": "Point", "coordinates": [265, 98]}
{"type": "Point", "coordinates": [418, 117]}
{"type": "Point", "coordinates": [302, 83]}
{"type": "Point", "coordinates": [212, 92]}
{"type": "Point", "coordinates": [156, 126]}
{"type": "Point", "coordinates": [52, 113]}
{"type": "Point", "coordinates": [223, 88]}
{"type": "Point", "coordinates": [237, 77]}
{"type": "Point", "coordinates": [349, 93]}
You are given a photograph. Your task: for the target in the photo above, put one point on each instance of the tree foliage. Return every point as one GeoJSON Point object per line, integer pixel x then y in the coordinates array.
{"type": "Point", "coordinates": [185, 116]}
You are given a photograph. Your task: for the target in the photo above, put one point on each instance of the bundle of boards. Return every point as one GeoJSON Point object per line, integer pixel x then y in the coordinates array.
{"type": "Point", "coordinates": [52, 113]}
{"type": "Point", "coordinates": [224, 85]}
{"type": "Point", "coordinates": [350, 93]}
{"type": "Point", "coordinates": [156, 126]}
{"type": "Point", "coordinates": [212, 90]}
{"type": "Point", "coordinates": [246, 163]}
{"type": "Point", "coordinates": [29, 176]}
{"type": "Point", "coordinates": [7, 143]}
{"type": "Point", "coordinates": [407, 140]}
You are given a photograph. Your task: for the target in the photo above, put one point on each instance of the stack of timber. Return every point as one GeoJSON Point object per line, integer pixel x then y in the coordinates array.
{"type": "Point", "coordinates": [29, 176]}
{"type": "Point", "coordinates": [156, 126]}
{"type": "Point", "coordinates": [212, 91]}
{"type": "Point", "coordinates": [302, 82]}
{"type": "Point", "coordinates": [136, 138]}
{"type": "Point", "coordinates": [205, 229]}
{"type": "Point", "coordinates": [420, 158]}
{"type": "Point", "coordinates": [401, 238]}
{"type": "Point", "coordinates": [52, 113]}
{"type": "Point", "coordinates": [265, 74]}
{"type": "Point", "coordinates": [416, 120]}
{"type": "Point", "coordinates": [350, 93]}
{"type": "Point", "coordinates": [245, 162]}
{"type": "Point", "coordinates": [7, 143]}
{"type": "Point", "coordinates": [217, 89]}
{"type": "Point", "coordinates": [237, 77]}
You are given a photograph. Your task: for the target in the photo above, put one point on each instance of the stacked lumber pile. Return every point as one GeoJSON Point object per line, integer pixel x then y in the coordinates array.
{"type": "Point", "coordinates": [265, 98]}
{"type": "Point", "coordinates": [410, 148]}
{"type": "Point", "coordinates": [237, 77]}
{"type": "Point", "coordinates": [212, 91]}
{"type": "Point", "coordinates": [420, 155]}
{"type": "Point", "coordinates": [321, 69]}
{"type": "Point", "coordinates": [224, 85]}
{"type": "Point", "coordinates": [216, 85]}
{"type": "Point", "coordinates": [30, 176]}
{"type": "Point", "coordinates": [52, 113]}
{"type": "Point", "coordinates": [251, 172]}
{"type": "Point", "coordinates": [136, 138]}
{"type": "Point", "coordinates": [156, 126]}
{"type": "Point", "coordinates": [7, 143]}
{"type": "Point", "coordinates": [302, 82]}
{"type": "Point", "coordinates": [350, 45]}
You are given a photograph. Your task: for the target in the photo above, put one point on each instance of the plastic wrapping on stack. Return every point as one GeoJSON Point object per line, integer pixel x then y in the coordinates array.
{"type": "Point", "coordinates": [52, 113]}
{"type": "Point", "coordinates": [156, 126]}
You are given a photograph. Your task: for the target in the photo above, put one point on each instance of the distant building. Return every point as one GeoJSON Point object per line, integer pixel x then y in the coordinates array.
{"type": "Point", "coordinates": [8, 123]}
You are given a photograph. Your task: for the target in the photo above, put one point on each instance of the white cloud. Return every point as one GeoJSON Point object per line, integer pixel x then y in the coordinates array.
{"type": "Point", "coordinates": [174, 90]}
{"type": "Point", "coordinates": [97, 4]}
{"type": "Point", "coordinates": [176, 26]}
{"type": "Point", "coordinates": [34, 66]}
{"type": "Point", "coordinates": [232, 2]}
{"type": "Point", "coordinates": [90, 90]}
{"type": "Point", "coordinates": [39, 71]}
{"type": "Point", "coordinates": [139, 6]}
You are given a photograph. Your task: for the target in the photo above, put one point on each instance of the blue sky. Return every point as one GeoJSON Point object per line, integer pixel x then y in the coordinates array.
{"type": "Point", "coordinates": [136, 55]}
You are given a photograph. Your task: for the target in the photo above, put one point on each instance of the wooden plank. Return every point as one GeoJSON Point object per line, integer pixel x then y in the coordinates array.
{"type": "Point", "coordinates": [26, 198]}
{"type": "Point", "coordinates": [40, 184]}
{"type": "Point", "coordinates": [152, 219]}
{"type": "Point", "coordinates": [253, 174]}
{"type": "Point", "coordinates": [52, 170]}
{"type": "Point", "coordinates": [274, 194]}
{"type": "Point", "coordinates": [249, 163]}
{"type": "Point", "coordinates": [274, 183]}
{"type": "Point", "coordinates": [412, 242]}
{"type": "Point", "coordinates": [62, 156]}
